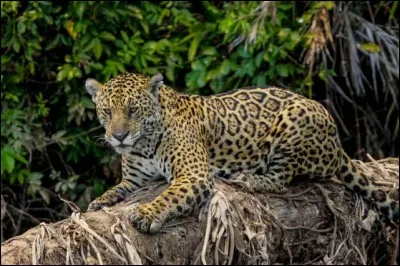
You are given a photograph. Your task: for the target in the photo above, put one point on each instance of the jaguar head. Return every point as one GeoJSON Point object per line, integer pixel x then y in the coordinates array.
{"type": "Point", "coordinates": [127, 107]}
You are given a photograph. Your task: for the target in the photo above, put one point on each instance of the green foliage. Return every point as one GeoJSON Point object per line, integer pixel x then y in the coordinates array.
{"type": "Point", "coordinates": [49, 49]}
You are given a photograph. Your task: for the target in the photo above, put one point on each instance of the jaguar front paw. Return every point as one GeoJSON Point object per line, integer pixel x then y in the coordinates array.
{"type": "Point", "coordinates": [109, 198]}
{"type": "Point", "coordinates": [146, 219]}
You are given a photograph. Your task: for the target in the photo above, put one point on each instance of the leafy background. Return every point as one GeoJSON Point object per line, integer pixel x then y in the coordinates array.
{"type": "Point", "coordinates": [343, 54]}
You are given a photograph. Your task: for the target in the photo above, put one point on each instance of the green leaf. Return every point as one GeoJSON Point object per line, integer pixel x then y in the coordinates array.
{"type": "Point", "coordinates": [13, 178]}
{"type": "Point", "coordinates": [145, 27]}
{"type": "Point", "coordinates": [48, 19]}
{"type": "Point", "coordinates": [20, 158]}
{"type": "Point", "coordinates": [5, 59]}
{"type": "Point", "coordinates": [325, 73]}
{"type": "Point", "coordinates": [195, 79]}
{"type": "Point", "coordinates": [21, 177]}
{"type": "Point", "coordinates": [169, 73]}
{"type": "Point", "coordinates": [295, 37]}
{"type": "Point", "coordinates": [124, 36]}
{"type": "Point", "coordinates": [21, 27]}
{"type": "Point", "coordinates": [283, 70]}
{"type": "Point", "coordinates": [87, 103]}
{"type": "Point", "coordinates": [96, 66]}
{"type": "Point", "coordinates": [370, 47]}
{"type": "Point", "coordinates": [284, 33]}
{"type": "Point", "coordinates": [97, 48]}
{"type": "Point", "coordinates": [89, 46]}
{"type": "Point", "coordinates": [107, 36]}
{"type": "Point", "coordinates": [98, 187]}
{"type": "Point", "coordinates": [193, 47]}
{"type": "Point", "coordinates": [260, 80]}
{"type": "Point", "coordinates": [53, 43]}
{"type": "Point", "coordinates": [393, 10]}
{"type": "Point", "coordinates": [10, 96]}
{"type": "Point", "coordinates": [16, 45]}
{"type": "Point", "coordinates": [284, 5]}
{"type": "Point", "coordinates": [211, 10]}
{"type": "Point", "coordinates": [259, 59]}
{"type": "Point", "coordinates": [198, 65]}
{"type": "Point", "coordinates": [7, 160]}
{"type": "Point", "coordinates": [35, 178]}
{"type": "Point", "coordinates": [225, 67]}
{"type": "Point", "coordinates": [243, 52]}
{"type": "Point", "coordinates": [323, 4]}
{"type": "Point", "coordinates": [212, 74]}
{"type": "Point", "coordinates": [35, 44]}
{"type": "Point", "coordinates": [210, 51]}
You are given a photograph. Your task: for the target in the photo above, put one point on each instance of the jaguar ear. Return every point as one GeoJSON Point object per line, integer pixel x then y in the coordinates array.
{"type": "Point", "coordinates": [155, 83]}
{"type": "Point", "coordinates": [93, 87]}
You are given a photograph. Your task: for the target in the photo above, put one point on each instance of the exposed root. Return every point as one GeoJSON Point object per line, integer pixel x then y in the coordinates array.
{"type": "Point", "coordinates": [125, 245]}
{"type": "Point", "coordinates": [219, 210]}
{"type": "Point", "coordinates": [311, 224]}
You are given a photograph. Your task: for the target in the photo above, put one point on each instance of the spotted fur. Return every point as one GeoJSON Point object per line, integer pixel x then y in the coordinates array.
{"type": "Point", "coordinates": [258, 137]}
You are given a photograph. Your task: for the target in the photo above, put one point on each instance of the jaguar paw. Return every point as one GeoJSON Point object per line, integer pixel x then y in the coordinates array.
{"type": "Point", "coordinates": [145, 220]}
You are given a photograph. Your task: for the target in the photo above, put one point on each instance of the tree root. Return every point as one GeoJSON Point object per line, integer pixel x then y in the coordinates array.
{"type": "Point", "coordinates": [314, 223]}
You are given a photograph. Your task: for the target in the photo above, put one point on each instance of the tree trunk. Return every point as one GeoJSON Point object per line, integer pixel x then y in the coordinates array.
{"type": "Point", "coordinates": [313, 223]}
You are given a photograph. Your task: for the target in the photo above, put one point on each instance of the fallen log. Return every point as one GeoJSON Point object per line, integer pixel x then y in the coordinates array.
{"type": "Point", "coordinates": [313, 223]}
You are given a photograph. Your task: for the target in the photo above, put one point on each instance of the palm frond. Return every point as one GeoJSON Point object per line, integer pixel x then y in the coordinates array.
{"type": "Point", "coordinates": [365, 41]}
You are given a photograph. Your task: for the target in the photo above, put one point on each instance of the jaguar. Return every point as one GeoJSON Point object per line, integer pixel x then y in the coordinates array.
{"type": "Point", "coordinates": [258, 137]}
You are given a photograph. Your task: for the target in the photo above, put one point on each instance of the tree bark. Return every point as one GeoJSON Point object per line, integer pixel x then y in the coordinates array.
{"type": "Point", "coordinates": [313, 223]}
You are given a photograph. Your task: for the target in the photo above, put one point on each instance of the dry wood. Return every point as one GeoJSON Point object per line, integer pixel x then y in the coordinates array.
{"type": "Point", "coordinates": [314, 223]}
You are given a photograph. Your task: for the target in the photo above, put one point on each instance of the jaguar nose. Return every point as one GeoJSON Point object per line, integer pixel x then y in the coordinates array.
{"type": "Point", "coordinates": [121, 135]}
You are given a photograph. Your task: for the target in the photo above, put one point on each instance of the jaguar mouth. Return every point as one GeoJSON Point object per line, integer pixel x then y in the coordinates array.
{"type": "Point", "coordinates": [122, 149]}
{"type": "Point", "coordinates": [123, 146]}
{"type": "Point", "coordinates": [126, 146]}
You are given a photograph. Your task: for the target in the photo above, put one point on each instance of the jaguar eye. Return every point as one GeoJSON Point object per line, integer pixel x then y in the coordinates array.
{"type": "Point", "coordinates": [107, 111]}
{"type": "Point", "coordinates": [132, 110]}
